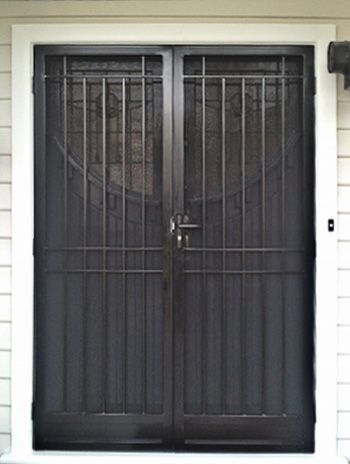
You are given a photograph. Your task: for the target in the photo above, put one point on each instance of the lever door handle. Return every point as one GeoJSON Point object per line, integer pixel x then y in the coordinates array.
{"type": "Point", "coordinates": [188, 226]}
{"type": "Point", "coordinates": [177, 227]}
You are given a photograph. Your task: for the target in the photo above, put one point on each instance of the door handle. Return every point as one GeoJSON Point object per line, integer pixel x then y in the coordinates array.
{"type": "Point", "coordinates": [178, 225]}
{"type": "Point", "coordinates": [188, 226]}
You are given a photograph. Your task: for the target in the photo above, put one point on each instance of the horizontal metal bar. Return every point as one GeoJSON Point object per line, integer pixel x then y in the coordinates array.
{"type": "Point", "coordinates": [102, 76]}
{"type": "Point", "coordinates": [241, 76]}
{"type": "Point", "coordinates": [227, 417]}
{"type": "Point", "coordinates": [188, 226]}
{"type": "Point", "coordinates": [108, 271]}
{"type": "Point", "coordinates": [108, 248]}
{"type": "Point", "coordinates": [252, 250]}
{"type": "Point", "coordinates": [207, 271]}
{"type": "Point", "coordinates": [121, 415]}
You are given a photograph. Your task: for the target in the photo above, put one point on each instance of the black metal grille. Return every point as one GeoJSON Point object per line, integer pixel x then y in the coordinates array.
{"type": "Point", "coordinates": [221, 354]}
{"type": "Point", "coordinates": [243, 163]}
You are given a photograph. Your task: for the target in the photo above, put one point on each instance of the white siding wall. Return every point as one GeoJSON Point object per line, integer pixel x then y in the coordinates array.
{"type": "Point", "coordinates": [5, 241]}
{"type": "Point", "coordinates": [335, 12]}
{"type": "Point", "coordinates": [344, 269]}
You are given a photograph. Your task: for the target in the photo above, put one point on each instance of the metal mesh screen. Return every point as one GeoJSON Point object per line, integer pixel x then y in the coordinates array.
{"type": "Point", "coordinates": [245, 285]}
{"type": "Point", "coordinates": [103, 244]}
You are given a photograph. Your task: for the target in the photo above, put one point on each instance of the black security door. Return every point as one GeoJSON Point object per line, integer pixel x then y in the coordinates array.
{"type": "Point", "coordinates": [103, 248]}
{"type": "Point", "coordinates": [174, 245]}
{"type": "Point", "coordinates": [244, 248]}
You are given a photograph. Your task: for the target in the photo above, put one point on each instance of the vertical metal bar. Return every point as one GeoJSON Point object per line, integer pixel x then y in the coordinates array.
{"type": "Point", "coordinates": [263, 235]}
{"type": "Point", "coordinates": [178, 166]}
{"type": "Point", "coordinates": [143, 244]}
{"type": "Point", "coordinates": [204, 241]}
{"type": "Point", "coordinates": [104, 238]}
{"type": "Point", "coordinates": [172, 394]}
{"type": "Point", "coordinates": [223, 310]}
{"type": "Point", "coordinates": [243, 315]}
{"type": "Point", "coordinates": [123, 244]}
{"type": "Point", "coordinates": [307, 85]}
{"type": "Point", "coordinates": [65, 227]}
{"type": "Point", "coordinates": [84, 396]}
{"type": "Point", "coordinates": [283, 220]}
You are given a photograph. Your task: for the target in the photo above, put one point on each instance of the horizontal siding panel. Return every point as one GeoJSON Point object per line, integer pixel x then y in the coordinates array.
{"type": "Point", "coordinates": [4, 419]}
{"type": "Point", "coordinates": [5, 85]}
{"type": "Point", "coordinates": [343, 95]}
{"type": "Point", "coordinates": [5, 196]}
{"type": "Point", "coordinates": [207, 8]}
{"type": "Point", "coordinates": [344, 142]}
{"type": "Point", "coordinates": [5, 140]}
{"type": "Point", "coordinates": [5, 251]}
{"type": "Point", "coordinates": [5, 308]}
{"type": "Point", "coordinates": [5, 395]}
{"type": "Point", "coordinates": [344, 114]}
{"type": "Point", "coordinates": [5, 168]}
{"type": "Point", "coordinates": [344, 425]}
{"type": "Point", "coordinates": [343, 28]}
{"type": "Point", "coordinates": [5, 442]}
{"type": "Point", "coordinates": [344, 340]}
{"type": "Point", "coordinates": [343, 447]}
{"type": "Point", "coordinates": [344, 199]}
{"type": "Point", "coordinates": [5, 335]}
{"type": "Point", "coordinates": [5, 280]}
{"type": "Point", "coordinates": [5, 31]}
{"type": "Point", "coordinates": [344, 398]}
{"type": "Point", "coordinates": [5, 223]}
{"type": "Point", "coordinates": [343, 368]}
{"type": "Point", "coordinates": [5, 58]}
{"type": "Point", "coordinates": [344, 283]}
{"type": "Point", "coordinates": [344, 311]}
{"type": "Point", "coordinates": [344, 170]}
{"type": "Point", "coordinates": [5, 364]}
{"type": "Point", "coordinates": [344, 226]}
{"type": "Point", "coordinates": [344, 254]}
{"type": "Point", "coordinates": [5, 112]}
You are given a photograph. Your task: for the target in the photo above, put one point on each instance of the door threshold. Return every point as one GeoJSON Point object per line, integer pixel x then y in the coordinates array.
{"type": "Point", "coordinates": [63, 457]}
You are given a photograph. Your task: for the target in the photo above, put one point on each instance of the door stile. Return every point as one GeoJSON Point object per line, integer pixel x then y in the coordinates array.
{"type": "Point", "coordinates": [308, 146]}
{"type": "Point", "coordinates": [168, 242]}
{"type": "Point", "coordinates": [178, 261]}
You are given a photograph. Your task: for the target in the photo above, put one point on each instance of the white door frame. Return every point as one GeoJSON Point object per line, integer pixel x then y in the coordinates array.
{"type": "Point", "coordinates": [24, 37]}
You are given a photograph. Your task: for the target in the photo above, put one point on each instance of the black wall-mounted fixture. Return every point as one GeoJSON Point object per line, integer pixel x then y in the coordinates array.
{"type": "Point", "coordinates": [339, 60]}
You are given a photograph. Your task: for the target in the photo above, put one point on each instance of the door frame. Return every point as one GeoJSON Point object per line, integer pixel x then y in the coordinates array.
{"type": "Point", "coordinates": [24, 37]}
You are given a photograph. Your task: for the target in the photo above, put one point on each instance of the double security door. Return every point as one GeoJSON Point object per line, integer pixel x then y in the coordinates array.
{"type": "Point", "coordinates": [174, 248]}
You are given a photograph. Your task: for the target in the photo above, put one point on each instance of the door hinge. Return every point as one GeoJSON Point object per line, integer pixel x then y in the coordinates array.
{"type": "Point", "coordinates": [33, 246]}
{"type": "Point", "coordinates": [315, 86]}
{"type": "Point", "coordinates": [33, 411]}
{"type": "Point", "coordinates": [33, 85]}
{"type": "Point", "coordinates": [314, 251]}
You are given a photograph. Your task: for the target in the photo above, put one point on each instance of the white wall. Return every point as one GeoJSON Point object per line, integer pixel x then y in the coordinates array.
{"type": "Point", "coordinates": [5, 242]}
{"type": "Point", "coordinates": [335, 12]}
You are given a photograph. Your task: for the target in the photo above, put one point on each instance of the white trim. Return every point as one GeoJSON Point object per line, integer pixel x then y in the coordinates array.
{"type": "Point", "coordinates": [23, 39]}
